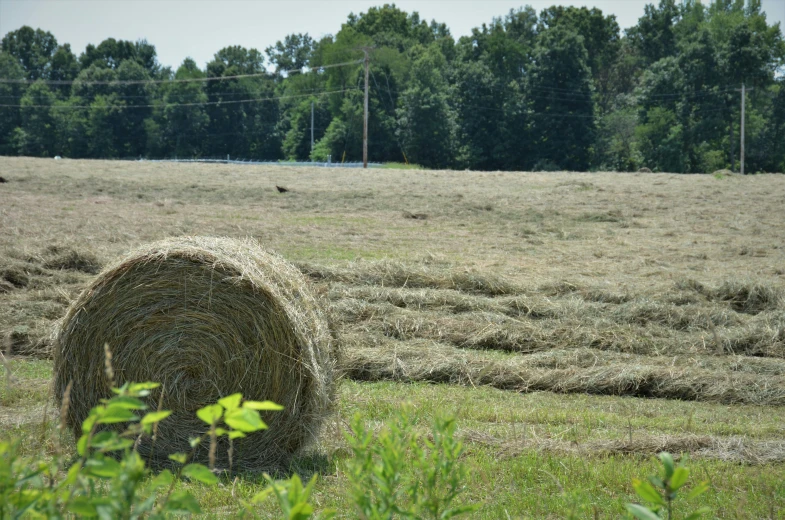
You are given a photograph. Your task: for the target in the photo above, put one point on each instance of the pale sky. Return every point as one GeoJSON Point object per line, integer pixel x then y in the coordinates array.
{"type": "Point", "coordinates": [199, 28]}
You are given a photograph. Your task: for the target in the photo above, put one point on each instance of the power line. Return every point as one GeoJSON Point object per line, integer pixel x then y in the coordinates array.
{"type": "Point", "coordinates": [167, 105]}
{"type": "Point", "coordinates": [167, 81]}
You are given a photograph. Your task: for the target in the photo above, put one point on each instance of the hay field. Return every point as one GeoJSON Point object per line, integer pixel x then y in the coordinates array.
{"type": "Point", "coordinates": [577, 322]}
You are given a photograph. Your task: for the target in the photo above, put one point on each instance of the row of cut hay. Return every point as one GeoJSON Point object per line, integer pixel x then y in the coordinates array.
{"type": "Point", "coordinates": [447, 300]}
{"type": "Point", "coordinates": [745, 296]}
{"type": "Point", "coordinates": [369, 359]}
{"type": "Point", "coordinates": [638, 311]}
{"type": "Point", "coordinates": [491, 331]}
{"type": "Point", "coordinates": [391, 273]}
{"type": "Point", "coordinates": [592, 358]}
{"type": "Point", "coordinates": [731, 449]}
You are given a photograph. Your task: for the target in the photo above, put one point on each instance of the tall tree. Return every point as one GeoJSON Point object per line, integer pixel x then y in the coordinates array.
{"type": "Point", "coordinates": [33, 49]}
{"type": "Point", "coordinates": [426, 123]}
{"type": "Point", "coordinates": [561, 100]}
{"type": "Point", "coordinates": [293, 53]}
{"type": "Point", "coordinates": [36, 136]}
{"type": "Point", "coordinates": [10, 95]}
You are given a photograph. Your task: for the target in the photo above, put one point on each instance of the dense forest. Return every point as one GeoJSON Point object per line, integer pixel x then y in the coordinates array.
{"type": "Point", "coordinates": [562, 89]}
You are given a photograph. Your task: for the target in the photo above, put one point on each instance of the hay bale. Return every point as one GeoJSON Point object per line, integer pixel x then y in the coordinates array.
{"type": "Point", "coordinates": [206, 317]}
{"type": "Point", "coordinates": [644, 170]}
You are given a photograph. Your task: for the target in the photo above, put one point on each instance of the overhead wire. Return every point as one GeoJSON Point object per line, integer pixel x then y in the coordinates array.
{"type": "Point", "coordinates": [174, 80]}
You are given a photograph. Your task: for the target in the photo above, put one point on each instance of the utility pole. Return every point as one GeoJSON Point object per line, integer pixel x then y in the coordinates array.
{"type": "Point", "coordinates": [365, 111]}
{"type": "Point", "coordinates": [742, 127]}
{"type": "Point", "coordinates": [312, 127]}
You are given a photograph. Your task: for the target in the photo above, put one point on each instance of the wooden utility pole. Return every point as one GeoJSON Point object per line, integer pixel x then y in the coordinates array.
{"type": "Point", "coordinates": [742, 128]}
{"type": "Point", "coordinates": [365, 111]}
{"type": "Point", "coordinates": [311, 126]}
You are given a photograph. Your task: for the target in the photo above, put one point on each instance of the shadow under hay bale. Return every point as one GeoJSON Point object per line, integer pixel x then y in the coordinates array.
{"type": "Point", "coordinates": [206, 317]}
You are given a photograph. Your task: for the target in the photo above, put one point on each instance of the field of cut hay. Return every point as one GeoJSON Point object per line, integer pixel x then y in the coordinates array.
{"type": "Point", "coordinates": [575, 323]}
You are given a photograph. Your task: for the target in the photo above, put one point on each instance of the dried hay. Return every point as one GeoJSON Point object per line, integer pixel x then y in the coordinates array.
{"type": "Point", "coordinates": [591, 372]}
{"type": "Point", "coordinates": [389, 273]}
{"type": "Point", "coordinates": [732, 449]}
{"type": "Point", "coordinates": [206, 317]}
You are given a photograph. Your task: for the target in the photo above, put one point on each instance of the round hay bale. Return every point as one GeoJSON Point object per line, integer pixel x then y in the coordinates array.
{"type": "Point", "coordinates": [206, 317]}
{"type": "Point", "coordinates": [644, 170]}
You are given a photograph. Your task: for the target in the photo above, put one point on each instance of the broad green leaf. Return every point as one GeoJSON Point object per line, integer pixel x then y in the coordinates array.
{"type": "Point", "coordinates": [88, 423]}
{"type": "Point", "coordinates": [263, 406]}
{"type": "Point", "coordinates": [82, 506]}
{"type": "Point", "coordinates": [667, 463]}
{"type": "Point", "coordinates": [641, 513]}
{"type": "Point", "coordinates": [142, 389]}
{"type": "Point", "coordinates": [73, 473]}
{"type": "Point", "coordinates": [301, 510]}
{"type": "Point", "coordinates": [182, 501]}
{"type": "Point", "coordinates": [210, 413]}
{"type": "Point", "coordinates": [698, 490]}
{"type": "Point", "coordinates": [154, 417]}
{"type": "Point", "coordinates": [125, 401]}
{"type": "Point", "coordinates": [110, 441]}
{"type": "Point", "coordinates": [163, 479]}
{"type": "Point", "coordinates": [81, 444]}
{"type": "Point", "coordinates": [115, 414]}
{"type": "Point", "coordinates": [647, 492]}
{"type": "Point", "coordinates": [245, 420]}
{"type": "Point", "coordinates": [230, 402]}
{"type": "Point", "coordinates": [679, 477]}
{"type": "Point", "coordinates": [262, 495]}
{"type": "Point", "coordinates": [194, 441]}
{"type": "Point", "coordinates": [200, 473]}
{"type": "Point", "coordinates": [178, 457]}
{"type": "Point", "coordinates": [236, 435]}
{"type": "Point", "coordinates": [104, 467]}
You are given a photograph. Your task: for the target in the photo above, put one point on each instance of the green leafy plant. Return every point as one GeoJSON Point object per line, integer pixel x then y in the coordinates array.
{"type": "Point", "coordinates": [662, 491]}
{"type": "Point", "coordinates": [109, 479]}
{"type": "Point", "coordinates": [400, 473]}
{"type": "Point", "coordinates": [293, 498]}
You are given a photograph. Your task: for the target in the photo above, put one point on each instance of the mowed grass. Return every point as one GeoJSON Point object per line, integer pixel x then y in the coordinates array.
{"type": "Point", "coordinates": [575, 324]}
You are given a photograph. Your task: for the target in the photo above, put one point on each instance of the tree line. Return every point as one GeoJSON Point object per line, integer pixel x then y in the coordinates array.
{"type": "Point", "coordinates": [562, 89]}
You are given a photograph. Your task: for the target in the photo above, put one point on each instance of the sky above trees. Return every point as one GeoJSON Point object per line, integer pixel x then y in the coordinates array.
{"type": "Point", "coordinates": [195, 29]}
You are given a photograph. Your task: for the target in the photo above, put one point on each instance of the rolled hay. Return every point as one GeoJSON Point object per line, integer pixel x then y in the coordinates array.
{"type": "Point", "coordinates": [206, 318]}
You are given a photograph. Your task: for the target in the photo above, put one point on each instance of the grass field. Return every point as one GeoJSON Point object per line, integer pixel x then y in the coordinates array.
{"type": "Point", "coordinates": [575, 323]}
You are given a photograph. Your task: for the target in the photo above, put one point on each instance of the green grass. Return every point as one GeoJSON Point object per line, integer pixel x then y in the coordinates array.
{"type": "Point", "coordinates": [402, 166]}
{"type": "Point", "coordinates": [509, 472]}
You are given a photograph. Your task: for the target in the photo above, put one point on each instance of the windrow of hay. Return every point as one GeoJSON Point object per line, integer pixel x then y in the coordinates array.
{"type": "Point", "coordinates": [206, 317]}
{"type": "Point", "coordinates": [731, 449]}
{"type": "Point", "coordinates": [743, 296]}
{"type": "Point", "coordinates": [390, 273]}
{"type": "Point", "coordinates": [380, 358]}
{"type": "Point", "coordinates": [590, 329]}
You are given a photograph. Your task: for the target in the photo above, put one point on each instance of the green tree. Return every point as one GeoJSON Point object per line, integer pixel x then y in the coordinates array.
{"type": "Point", "coordinates": [561, 100]}
{"type": "Point", "coordinates": [131, 139]}
{"type": "Point", "coordinates": [243, 114]}
{"type": "Point", "coordinates": [182, 121]}
{"type": "Point", "coordinates": [33, 49]}
{"type": "Point", "coordinates": [36, 135]}
{"type": "Point", "coordinates": [654, 35]}
{"type": "Point", "coordinates": [293, 53]}
{"type": "Point", "coordinates": [10, 95]}
{"type": "Point", "coordinates": [426, 122]}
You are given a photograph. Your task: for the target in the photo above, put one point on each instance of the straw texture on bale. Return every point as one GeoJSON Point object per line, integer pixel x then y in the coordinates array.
{"type": "Point", "coordinates": [206, 317]}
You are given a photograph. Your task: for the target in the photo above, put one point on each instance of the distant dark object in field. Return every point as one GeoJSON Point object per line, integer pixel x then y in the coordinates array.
{"type": "Point", "coordinates": [281, 189]}
{"type": "Point", "coordinates": [415, 216]}
{"type": "Point", "coordinates": [2, 180]}
{"type": "Point", "coordinates": [644, 170]}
